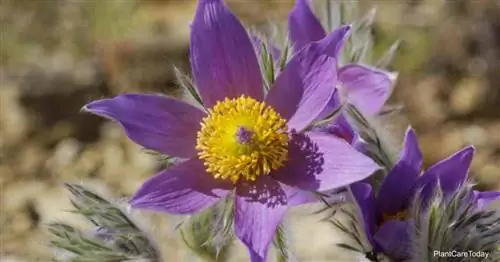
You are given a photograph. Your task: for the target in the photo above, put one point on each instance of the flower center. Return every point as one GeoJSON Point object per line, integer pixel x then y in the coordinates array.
{"type": "Point", "coordinates": [244, 135]}
{"type": "Point", "coordinates": [401, 215]}
{"type": "Point", "coordinates": [242, 138]}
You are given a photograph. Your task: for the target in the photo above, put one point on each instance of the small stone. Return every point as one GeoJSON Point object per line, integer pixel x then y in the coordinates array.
{"type": "Point", "coordinates": [424, 104]}
{"type": "Point", "coordinates": [30, 159]}
{"type": "Point", "coordinates": [494, 134]}
{"type": "Point", "coordinates": [132, 184]}
{"type": "Point", "coordinates": [141, 160]}
{"type": "Point", "coordinates": [453, 139]}
{"type": "Point", "coordinates": [111, 131]}
{"type": "Point", "coordinates": [11, 259]}
{"type": "Point", "coordinates": [7, 175]}
{"type": "Point", "coordinates": [88, 162]}
{"type": "Point", "coordinates": [21, 223]}
{"type": "Point", "coordinates": [468, 96]}
{"type": "Point", "coordinates": [53, 205]}
{"type": "Point", "coordinates": [476, 135]}
{"type": "Point", "coordinates": [15, 196]}
{"type": "Point", "coordinates": [489, 175]}
{"type": "Point", "coordinates": [65, 153]}
{"type": "Point", "coordinates": [482, 157]}
{"type": "Point", "coordinates": [317, 241]}
{"type": "Point", "coordinates": [113, 158]}
{"type": "Point", "coordinates": [14, 121]}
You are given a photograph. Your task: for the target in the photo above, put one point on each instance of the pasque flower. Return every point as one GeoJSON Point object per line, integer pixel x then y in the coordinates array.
{"type": "Point", "coordinates": [456, 222]}
{"type": "Point", "coordinates": [247, 144]}
{"type": "Point", "coordinates": [386, 219]}
{"type": "Point", "coordinates": [363, 86]}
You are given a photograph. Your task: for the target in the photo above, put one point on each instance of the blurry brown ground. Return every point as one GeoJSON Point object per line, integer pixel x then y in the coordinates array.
{"type": "Point", "coordinates": [55, 56]}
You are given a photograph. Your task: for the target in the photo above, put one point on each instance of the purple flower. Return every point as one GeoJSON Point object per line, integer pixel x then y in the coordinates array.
{"type": "Point", "coordinates": [365, 87]}
{"type": "Point", "coordinates": [484, 199]}
{"type": "Point", "coordinates": [385, 216]}
{"type": "Point", "coordinates": [246, 144]}
{"type": "Point", "coordinates": [341, 128]}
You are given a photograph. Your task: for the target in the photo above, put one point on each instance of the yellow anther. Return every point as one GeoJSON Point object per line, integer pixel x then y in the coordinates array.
{"type": "Point", "coordinates": [242, 138]}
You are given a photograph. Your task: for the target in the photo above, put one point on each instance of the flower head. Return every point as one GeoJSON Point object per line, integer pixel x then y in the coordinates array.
{"type": "Point", "coordinates": [386, 218]}
{"type": "Point", "coordinates": [365, 87]}
{"type": "Point", "coordinates": [247, 144]}
{"type": "Point", "coordinates": [454, 223]}
{"type": "Point", "coordinates": [242, 138]}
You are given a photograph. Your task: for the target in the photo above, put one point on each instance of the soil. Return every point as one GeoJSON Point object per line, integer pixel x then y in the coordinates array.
{"type": "Point", "coordinates": [57, 57]}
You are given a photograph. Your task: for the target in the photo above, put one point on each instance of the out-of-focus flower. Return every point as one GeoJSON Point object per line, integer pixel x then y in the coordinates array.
{"type": "Point", "coordinates": [386, 219]}
{"type": "Point", "coordinates": [365, 87]}
{"type": "Point", "coordinates": [247, 144]}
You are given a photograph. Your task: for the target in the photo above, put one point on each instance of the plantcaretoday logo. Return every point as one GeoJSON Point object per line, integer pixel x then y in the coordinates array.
{"type": "Point", "coordinates": [455, 254]}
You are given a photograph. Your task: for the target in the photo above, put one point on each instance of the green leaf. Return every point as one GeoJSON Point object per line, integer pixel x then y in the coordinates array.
{"type": "Point", "coordinates": [284, 57]}
{"type": "Point", "coordinates": [210, 234]}
{"type": "Point", "coordinates": [120, 240]}
{"type": "Point", "coordinates": [348, 247]}
{"type": "Point", "coordinates": [282, 246]}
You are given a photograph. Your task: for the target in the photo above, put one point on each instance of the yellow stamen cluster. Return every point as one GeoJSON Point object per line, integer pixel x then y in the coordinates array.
{"type": "Point", "coordinates": [224, 153]}
{"type": "Point", "coordinates": [401, 215]}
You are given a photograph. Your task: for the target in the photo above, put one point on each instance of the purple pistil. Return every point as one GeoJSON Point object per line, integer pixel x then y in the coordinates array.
{"type": "Point", "coordinates": [244, 135]}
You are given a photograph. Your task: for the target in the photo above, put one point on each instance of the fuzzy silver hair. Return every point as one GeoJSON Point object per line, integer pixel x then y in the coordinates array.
{"type": "Point", "coordinates": [115, 236]}
{"type": "Point", "coordinates": [454, 224]}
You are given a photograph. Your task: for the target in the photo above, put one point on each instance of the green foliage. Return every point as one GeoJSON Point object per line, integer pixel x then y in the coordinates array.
{"type": "Point", "coordinates": [210, 234]}
{"type": "Point", "coordinates": [454, 223]}
{"type": "Point", "coordinates": [115, 236]}
{"type": "Point", "coordinates": [281, 242]}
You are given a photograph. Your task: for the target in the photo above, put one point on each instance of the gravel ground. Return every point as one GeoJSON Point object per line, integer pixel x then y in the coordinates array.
{"type": "Point", "coordinates": [56, 58]}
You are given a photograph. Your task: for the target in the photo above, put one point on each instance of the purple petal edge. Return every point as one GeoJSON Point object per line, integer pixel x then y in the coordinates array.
{"type": "Point", "coordinates": [365, 87]}
{"type": "Point", "coordinates": [303, 25]}
{"type": "Point", "coordinates": [320, 162]}
{"type": "Point", "coordinates": [396, 189]}
{"type": "Point", "coordinates": [223, 58]}
{"type": "Point", "coordinates": [160, 123]}
{"type": "Point", "coordinates": [182, 189]}
{"type": "Point", "coordinates": [259, 209]}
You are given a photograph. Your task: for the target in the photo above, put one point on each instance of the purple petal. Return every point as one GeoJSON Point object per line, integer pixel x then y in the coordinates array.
{"type": "Point", "coordinates": [297, 196]}
{"type": "Point", "coordinates": [425, 188]}
{"type": "Point", "coordinates": [341, 128]}
{"type": "Point", "coordinates": [366, 88]}
{"type": "Point", "coordinates": [449, 173]}
{"type": "Point", "coordinates": [398, 184]}
{"type": "Point", "coordinates": [307, 83]}
{"type": "Point", "coordinates": [156, 122]}
{"type": "Point", "coordinates": [320, 162]}
{"type": "Point", "coordinates": [182, 189]}
{"type": "Point", "coordinates": [222, 55]}
{"type": "Point", "coordinates": [452, 171]}
{"type": "Point", "coordinates": [331, 106]}
{"type": "Point", "coordinates": [338, 39]}
{"type": "Point", "coordinates": [365, 200]}
{"type": "Point", "coordinates": [394, 239]}
{"type": "Point", "coordinates": [303, 25]}
{"type": "Point", "coordinates": [259, 206]}
{"type": "Point", "coordinates": [485, 199]}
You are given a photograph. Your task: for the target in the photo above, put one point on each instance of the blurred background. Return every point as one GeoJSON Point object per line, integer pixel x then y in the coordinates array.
{"type": "Point", "coordinates": [55, 56]}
